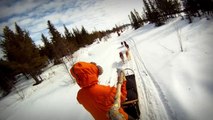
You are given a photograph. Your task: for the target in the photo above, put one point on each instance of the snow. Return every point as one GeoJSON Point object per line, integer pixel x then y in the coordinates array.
{"type": "Point", "coordinates": [171, 84]}
{"type": "Point", "coordinates": [185, 78]}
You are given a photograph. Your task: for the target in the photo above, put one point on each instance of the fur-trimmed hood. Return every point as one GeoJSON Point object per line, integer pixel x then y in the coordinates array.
{"type": "Point", "coordinates": [86, 74]}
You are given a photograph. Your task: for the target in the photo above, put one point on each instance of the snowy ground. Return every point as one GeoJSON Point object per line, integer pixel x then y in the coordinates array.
{"type": "Point", "coordinates": [171, 84]}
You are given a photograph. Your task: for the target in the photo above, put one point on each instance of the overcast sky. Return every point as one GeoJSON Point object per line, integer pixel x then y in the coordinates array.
{"type": "Point", "coordinates": [32, 15]}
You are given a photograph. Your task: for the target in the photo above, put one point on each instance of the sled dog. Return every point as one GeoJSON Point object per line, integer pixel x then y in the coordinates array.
{"type": "Point", "coordinates": [128, 55]}
{"type": "Point", "coordinates": [121, 56]}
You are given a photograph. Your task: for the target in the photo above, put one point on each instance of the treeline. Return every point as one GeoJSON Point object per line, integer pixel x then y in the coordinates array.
{"type": "Point", "coordinates": [22, 56]}
{"type": "Point", "coordinates": [60, 45]}
{"type": "Point", "coordinates": [198, 8]}
{"type": "Point", "coordinates": [159, 11]}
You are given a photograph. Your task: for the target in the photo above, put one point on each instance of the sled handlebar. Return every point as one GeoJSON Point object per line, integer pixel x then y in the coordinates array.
{"type": "Point", "coordinates": [128, 69]}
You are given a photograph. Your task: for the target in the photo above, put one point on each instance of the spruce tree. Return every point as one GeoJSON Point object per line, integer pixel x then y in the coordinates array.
{"type": "Point", "coordinates": [70, 38]}
{"type": "Point", "coordinates": [48, 48]}
{"type": "Point", "coordinates": [85, 36]}
{"type": "Point", "coordinates": [206, 6]}
{"type": "Point", "coordinates": [22, 53]}
{"type": "Point", "coordinates": [176, 6]}
{"type": "Point", "coordinates": [67, 34]}
{"type": "Point", "coordinates": [135, 24]}
{"type": "Point", "coordinates": [78, 39]}
{"type": "Point", "coordinates": [130, 19]}
{"type": "Point", "coordinates": [167, 8]}
{"type": "Point", "coordinates": [147, 10]}
{"type": "Point", "coordinates": [7, 80]}
{"type": "Point", "coordinates": [58, 41]}
{"type": "Point", "coordinates": [9, 43]}
{"type": "Point", "coordinates": [156, 16]}
{"type": "Point", "coordinates": [139, 19]}
{"type": "Point", "coordinates": [192, 7]}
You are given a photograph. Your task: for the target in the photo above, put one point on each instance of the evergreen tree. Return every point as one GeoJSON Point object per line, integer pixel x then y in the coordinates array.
{"type": "Point", "coordinates": [130, 19]}
{"type": "Point", "coordinates": [154, 16]}
{"type": "Point", "coordinates": [7, 77]}
{"type": "Point", "coordinates": [68, 35]}
{"type": "Point", "coordinates": [206, 6]}
{"type": "Point", "coordinates": [117, 30]}
{"type": "Point", "coordinates": [135, 24]}
{"type": "Point", "coordinates": [58, 41]}
{"type": "Point", "coordinates": [175, 7]}
{"type": "Point", "coordinates": [84, 31]}
{"type": "Point", "coordinates": [147, 11]}
{"type": "Point", "coordinates": [78, 39]}
{"type": "Point", "coordinates": [139, 19]}
{"type": "Point", "coordinates": [85, 36]}
{"type": "Point", "coordinates": [9, 43]}
{"type": "Point", "coordinates": [192, 7]}
{"type": "Point", "coordinates": [82, 37]}
{"type": "Point", "coordinates": [168, 8]}
{"type": "Point", "coordinates": [48, 49]}
{"type": "Point", "coordinates": [21, 52]}
{"type": "Point", "coordinates": [73, 45]}
{"type": "Point", "coordinates": [144, 18]}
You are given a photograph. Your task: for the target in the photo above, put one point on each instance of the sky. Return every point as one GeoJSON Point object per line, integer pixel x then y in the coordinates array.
{"type": "Point", "coordinates": [32, 15]}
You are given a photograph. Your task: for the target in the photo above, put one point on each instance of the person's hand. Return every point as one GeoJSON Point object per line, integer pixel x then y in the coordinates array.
{"type": "Point", "coordinates": [121, 76]}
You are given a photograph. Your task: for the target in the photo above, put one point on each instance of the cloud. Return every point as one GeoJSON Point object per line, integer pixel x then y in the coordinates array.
{"type": "Point", "coordinates": [32, 15]}
{"type": "Point", "coordinates": [9, 8]}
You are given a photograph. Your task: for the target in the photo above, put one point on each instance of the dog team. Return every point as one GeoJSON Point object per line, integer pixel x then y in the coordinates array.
{"type": "Point", "coordinates": [121, 54]}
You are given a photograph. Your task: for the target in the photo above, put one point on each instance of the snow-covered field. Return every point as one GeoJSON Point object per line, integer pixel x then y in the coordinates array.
{"type": "Point", "coordinates": [171, 84]}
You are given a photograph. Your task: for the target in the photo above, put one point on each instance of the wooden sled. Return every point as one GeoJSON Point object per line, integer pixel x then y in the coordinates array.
{"type": "Point", "coordinates": [130, 106]}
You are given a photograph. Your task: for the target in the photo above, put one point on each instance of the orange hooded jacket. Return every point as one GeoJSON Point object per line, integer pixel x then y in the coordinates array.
{"type": "Point", "coordinates": [97, 99]}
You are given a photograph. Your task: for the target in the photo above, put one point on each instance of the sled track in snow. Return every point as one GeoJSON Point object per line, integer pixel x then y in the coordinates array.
{"type": "Point", "coordinates": [154, 103]}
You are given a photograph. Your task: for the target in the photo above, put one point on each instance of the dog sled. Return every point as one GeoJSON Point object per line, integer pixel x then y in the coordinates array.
{"type": "Point", "coordinates": [131, 106]}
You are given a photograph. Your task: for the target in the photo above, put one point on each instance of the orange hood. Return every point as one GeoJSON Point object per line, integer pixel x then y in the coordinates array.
{"type": "Point", "coordinates": [86, 74]}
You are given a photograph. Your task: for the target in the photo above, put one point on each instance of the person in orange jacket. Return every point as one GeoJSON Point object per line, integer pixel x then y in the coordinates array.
{"type": "Point", "coordinates": [96, 99]}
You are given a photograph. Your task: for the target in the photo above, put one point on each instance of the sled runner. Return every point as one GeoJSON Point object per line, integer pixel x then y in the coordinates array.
{"type": "Point", "coordinates": [130, 106]}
